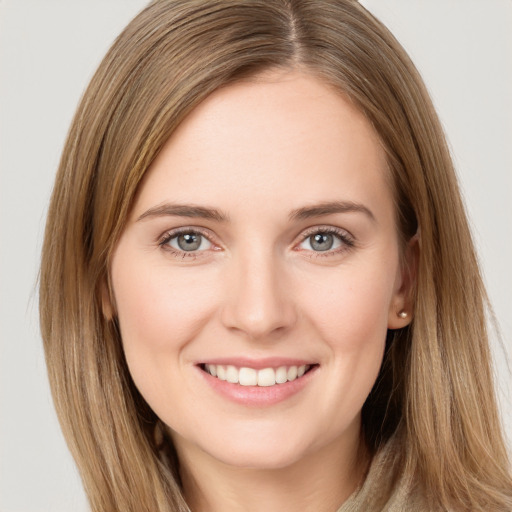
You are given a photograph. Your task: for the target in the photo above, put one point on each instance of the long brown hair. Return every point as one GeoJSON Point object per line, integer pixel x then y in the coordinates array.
{"type": "Point", "coordinates": [435, 389]}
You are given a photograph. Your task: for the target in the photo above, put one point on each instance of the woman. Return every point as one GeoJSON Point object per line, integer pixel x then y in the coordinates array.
{"type": "Point", "coordinates": [258, 287]}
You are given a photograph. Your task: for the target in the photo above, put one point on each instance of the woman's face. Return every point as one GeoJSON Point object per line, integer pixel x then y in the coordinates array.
{"type": "Point", "coordinates": [262, 246]}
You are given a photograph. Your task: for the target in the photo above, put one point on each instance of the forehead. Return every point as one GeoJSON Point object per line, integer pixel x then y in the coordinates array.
{"type": "Point", "coordinates": [282, 137]}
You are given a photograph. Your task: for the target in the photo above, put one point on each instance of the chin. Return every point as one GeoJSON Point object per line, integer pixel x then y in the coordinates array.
{"type": "Point", "coordinates": [263, 449]}
{"type": "Point", "coordinates": [264, 443]}
{"type": "Point", "coordinates": [259, 459]}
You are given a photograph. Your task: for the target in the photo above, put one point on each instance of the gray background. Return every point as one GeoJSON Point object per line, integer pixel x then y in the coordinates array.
{"type": "Point", "coordinates": [48, 52]}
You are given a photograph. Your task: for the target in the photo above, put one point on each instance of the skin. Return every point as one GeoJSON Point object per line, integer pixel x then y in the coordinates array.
{"type": "Point", "coordinates": [257, 151]}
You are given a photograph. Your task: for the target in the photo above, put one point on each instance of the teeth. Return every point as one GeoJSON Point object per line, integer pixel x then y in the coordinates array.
{"type": "Point", "coordinates": [221, 372]}
{"type": "Point", "coordinates": [232, 375]}
{"type": "Point", "coordinates": [266, 377]}
{"type": "Point", "coordinates": [281, 375]}
{"type": "Point", "coordinates": [248, 377]}
{"type": "Point", "coordinates": [251, 377]}
{"type": "Point", "coordinates": [292, 373]}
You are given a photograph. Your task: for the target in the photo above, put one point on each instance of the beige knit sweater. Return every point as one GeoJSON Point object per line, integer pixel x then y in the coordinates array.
{"type": "Point", "coordinates": [387, 488]}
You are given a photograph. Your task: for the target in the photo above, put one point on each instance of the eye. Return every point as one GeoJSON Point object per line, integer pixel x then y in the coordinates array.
{"type": "Point", "coordinates": [188, 241]}
{"type": "Point", "coordinates": [327, 240]}
{"type": "Point", "coordinates": [321, 242]}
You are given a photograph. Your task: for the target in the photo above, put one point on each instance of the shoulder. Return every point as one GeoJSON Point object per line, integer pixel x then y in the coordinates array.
{"type": "Point", "coordinates": [389, 485]}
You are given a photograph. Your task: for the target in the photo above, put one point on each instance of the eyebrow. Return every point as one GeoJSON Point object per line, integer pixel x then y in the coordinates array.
{"type": "Point", "coordinates": [304, 213]}
{"type": "Point", "coordinates": [184, 210]}
{"type": "Point", "coordinates": [329, 208]}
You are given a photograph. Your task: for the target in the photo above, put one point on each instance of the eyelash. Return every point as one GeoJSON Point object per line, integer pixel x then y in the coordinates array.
{"type": "Point", "coordinates": [346, 239]}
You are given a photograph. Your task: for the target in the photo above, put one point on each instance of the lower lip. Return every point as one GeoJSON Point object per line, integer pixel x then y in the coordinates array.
{"type": "Point", "coordinates": [258, 396]}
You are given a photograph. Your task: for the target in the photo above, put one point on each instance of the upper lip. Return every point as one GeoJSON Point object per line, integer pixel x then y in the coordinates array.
{"type": "Point", "coordinates": [257, 364]}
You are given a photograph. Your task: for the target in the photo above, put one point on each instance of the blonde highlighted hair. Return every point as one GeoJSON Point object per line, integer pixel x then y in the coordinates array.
{"type": "Point", "coordinates": [435, 390]}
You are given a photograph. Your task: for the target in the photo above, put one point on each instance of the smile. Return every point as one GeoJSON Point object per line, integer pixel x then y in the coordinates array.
{"type": "Point", "coordinates": [264, 377]}
{"type": "Point", "coordinates": [257, 383]}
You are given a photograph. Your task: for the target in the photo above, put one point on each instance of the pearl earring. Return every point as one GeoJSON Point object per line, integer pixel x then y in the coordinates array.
{"type": "Point", "coordinates": [402, 314]}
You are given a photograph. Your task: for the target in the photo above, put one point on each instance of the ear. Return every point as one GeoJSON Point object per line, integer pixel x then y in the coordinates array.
{"type": "Point", "coordinates": [402, 303]}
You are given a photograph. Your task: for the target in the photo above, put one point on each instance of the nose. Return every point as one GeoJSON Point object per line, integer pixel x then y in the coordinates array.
{"type": "Point", "coordinates": [258, 302]}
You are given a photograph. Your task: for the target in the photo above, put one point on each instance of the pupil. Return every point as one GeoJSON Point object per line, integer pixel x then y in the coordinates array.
{"type": "Point", "coordinates": [189, 241]}
{"type": "Point", "coordinates": [322, 242]}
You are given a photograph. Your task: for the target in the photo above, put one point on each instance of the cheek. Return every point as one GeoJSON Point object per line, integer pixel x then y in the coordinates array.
{"type": "Point", "coordinates": [160, 312]}
{"type": "Point", "coordinates": [351, 317]}
{"type": "Point", "coordinates": [157, 307]}
{"type": "Point", "coordinates": [351, 308]}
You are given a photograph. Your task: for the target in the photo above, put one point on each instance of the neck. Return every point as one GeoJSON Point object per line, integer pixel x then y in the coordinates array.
{"type": "Point", "coordinates": [318, 482]}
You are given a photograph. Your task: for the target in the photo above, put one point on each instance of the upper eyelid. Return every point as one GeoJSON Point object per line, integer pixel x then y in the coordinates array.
{"type": "Point", "coordinates": [171, 233]}
{"type": "Point", "coordinates": [343, 233]}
